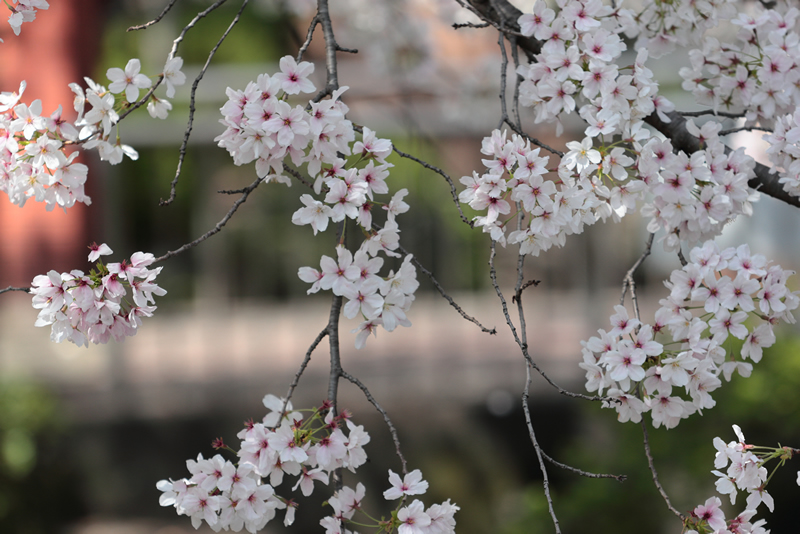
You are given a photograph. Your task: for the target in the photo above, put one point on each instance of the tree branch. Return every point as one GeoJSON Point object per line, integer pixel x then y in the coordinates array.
{"type": "Point", "coordinates": [10, 288]}
{"type": "Point", "coordinates": [653, 471]}
{"type": "Point", "coordinates": [155, 20]}
{"type": "Point", "coordinates": [524, 346]}
{"type": "Point", "coordinates": [246, 192]}
{"type": "Point", "coordinates": [386, 419]}
{"type": "Point", "coordinates": [190, 122]}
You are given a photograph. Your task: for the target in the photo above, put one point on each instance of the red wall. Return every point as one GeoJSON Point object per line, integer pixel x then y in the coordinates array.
{"type": "Point", "coordinates": [57, 48]}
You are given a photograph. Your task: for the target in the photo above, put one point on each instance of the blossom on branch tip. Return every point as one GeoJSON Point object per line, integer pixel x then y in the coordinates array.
{"type": "Point", "coordinates": [129, 81]}
{"type": "Point", "coordinates": [411, 484]}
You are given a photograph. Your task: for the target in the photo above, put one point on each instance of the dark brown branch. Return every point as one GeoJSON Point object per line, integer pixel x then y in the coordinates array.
{"type": "Point", "coordinates": [439, 171]}
{"type": "Point", "coordinates": [704, 112]}
{"type": "Point", "coordinates": [653, 471]}
{"type": "Point", "coordinates": [10, 288]}
{"type": "Point", "coordinates": [764, 181]}
{"type": "Point", "coordinates": [300, 371]}
{"type": "Point", "coordinates": [155, 20]}
{"type": "Point", "coordinates": [457, 26]}
{"type": "Point", "coordinates": [628, 283]}
{"type": "Point", "coordinates": [247, 190]}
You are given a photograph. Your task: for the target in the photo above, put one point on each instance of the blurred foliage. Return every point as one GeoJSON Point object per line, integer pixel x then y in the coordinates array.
{"type": "Point", "coordinates": [765, 406]}
{"type": "Point", "coordinates": [32, 472]}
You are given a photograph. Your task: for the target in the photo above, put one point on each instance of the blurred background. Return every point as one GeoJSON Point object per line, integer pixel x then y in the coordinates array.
{"type": "Point", "coordinates": [86, 433]}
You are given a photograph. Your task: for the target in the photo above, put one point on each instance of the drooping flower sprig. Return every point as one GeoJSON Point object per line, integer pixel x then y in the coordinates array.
{"type": "Point", "coordinates": [236, 495]}
{"type": "Point", "coordinates": [349, 176]}
{"type": "Point", "coordinates": [711, 299]}
{"type": "Point", "coordinates": [746, 471]}
{"type": "Point", "coordinates": [95, 307]}
{"type": "Point", "coordinates": [38, 153]}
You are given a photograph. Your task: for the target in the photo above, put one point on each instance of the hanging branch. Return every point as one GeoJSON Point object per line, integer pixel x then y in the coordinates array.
{"type": "Point", "coordinates": [524, 347]}
{"type": "Point", "coordinates": [537, 448]}
{"type": "Point", "coordinates": [300, 371]}
{"type": "Point", "coordinates": [653, 471]}
{"type": "Point", "coordinates": [155, 20]}
{"type": "Point", "coordinates": [190, 122]}
{"type": "Point", "coordinates": [628, 283]}
{"type": "Point", "coordinates": [383, 413]}
{"type": "Point", "coordinates": [439, 171]}
{"type": "Point", "coordinates": [618, 478]}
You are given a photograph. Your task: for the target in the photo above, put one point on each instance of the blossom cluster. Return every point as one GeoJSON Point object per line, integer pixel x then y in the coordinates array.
{"type": "Point", "coordinates": [746, 471]}
{"type": "Point", "coordinates": [553, 212]}
{"type": "Point", "coordinates": [784, 151]}
{"type": "Point", "coordinates": [579, 59]}
{"type": "Point", "coordinates": [236, 496]}
{"type": "Point", "coordinates": [661, 27]}
{"type": "Point", "coordinates": [33, 158]}
{"type": "Point", "coordinates": [83, 308]}
{"type": "Point", "coordinates": [262, 127]}
{"type": "Point", "coordinates": [690, 196]}
{"type": "Point", "coordinates": [726, 288]}
{"type": "Point", "coordinates": [378, 301]}
{"type": "Point", "coordinates": [411, 519]}
{"type": "Point", "coordinates": [756, 75]}
{"type": "Point", "coordinates": [34, 162]}
{"type": "Point", "coordinates": [23, 11]}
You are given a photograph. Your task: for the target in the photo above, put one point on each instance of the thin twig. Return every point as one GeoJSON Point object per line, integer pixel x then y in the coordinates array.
{"type": "Point", "coordinates": [523, 347]}
{"type": "Point", "coordinates": [294, 172]}
{"type": "Point", "coordinates": [518, 293]}
{"type": "Point", "coordinates": [534, 140]}
{"type": "Point", "coordinates": [711, 112]}
{"type": "Point", "coordinates": [515, 56]}
{"type": "Point", "coordinates": [503, 75]}
{"type": "Point", "coordinates": [155, 20]}
{"type": "Point", "coordinates": [458, 26]}
{"type": "Point", "coordinates": [139, 103]}
{"type": "Point", "coordinates": [655, 473]}
{"type": "Point", "coordinates": [231, 191]}
{"type": "Point", "coordinates": [386, 419]}
{"type": "Point", "coordinates": [309, 35]}
{"type": "Point", "coordinates": [628, 282]}
{"type": "Point", "coordinates": [743, 129]}
{"type": "Point", "coordinates": [681, 258]}
{"type": "Point", "coordinates": [532, 434]}
{"type": "Point", "coordinates": [300, 371]}
{"type": "Point", "coordinates": [190, 122]}
{"type": "Point", "coordinates": [439, 171]}
{"type": "Point", "coordinates": [247, 190]}
{"type": "Point", "coordinates": [618, 478]}
{"type": "Point", "coordinates": [192, 24]}
{"type": "Point", "coordinates": [10, 288]}
{"type": "Point", "coordinates": [440, 289]}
